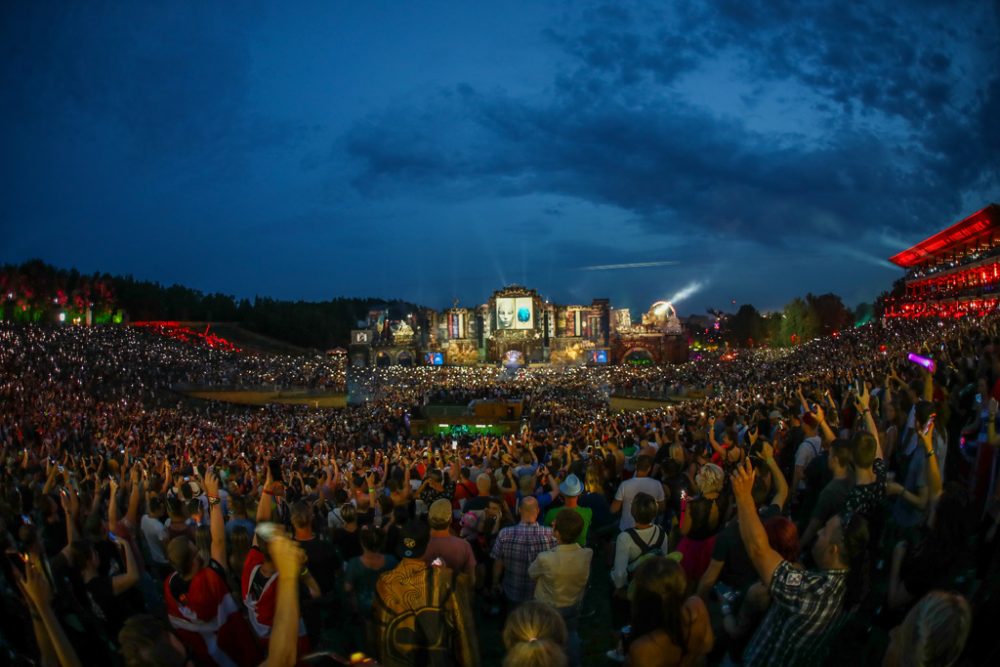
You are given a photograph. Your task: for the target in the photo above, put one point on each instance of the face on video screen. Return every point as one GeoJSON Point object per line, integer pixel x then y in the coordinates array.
{"type": "Point", "coordinates": [515, 313]}
{"type": "Point", "coordinates": [505, 313]}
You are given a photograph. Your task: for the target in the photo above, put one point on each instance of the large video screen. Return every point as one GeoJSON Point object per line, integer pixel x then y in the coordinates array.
{"type": "Point", "coordinates": [434, 359]}
{"type": "Point", "coordinates": [598, 357]}
{"type": "Point", "coordinates": [515, 313]}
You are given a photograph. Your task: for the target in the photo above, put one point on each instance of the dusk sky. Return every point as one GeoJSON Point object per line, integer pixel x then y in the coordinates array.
{"type": "Point", "coordinates": [431, 151]}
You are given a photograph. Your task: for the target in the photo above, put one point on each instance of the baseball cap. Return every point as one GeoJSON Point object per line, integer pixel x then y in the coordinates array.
{"type": "Point", "coordinates": [413, 538]}
{"type": "Point", "coordinates": [440, 512]}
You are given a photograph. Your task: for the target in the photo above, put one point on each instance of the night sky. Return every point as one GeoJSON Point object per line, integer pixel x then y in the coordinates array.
{"type": "Point", "coordinates": [430, 151]}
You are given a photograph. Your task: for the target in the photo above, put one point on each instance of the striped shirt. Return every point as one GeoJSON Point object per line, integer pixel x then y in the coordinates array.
{"type": "Point", "coordinates": [517, 546]}
{"type": "Point", "coordinates": [805, 603]}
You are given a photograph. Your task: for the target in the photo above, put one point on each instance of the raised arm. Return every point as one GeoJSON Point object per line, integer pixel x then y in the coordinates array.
{"type": "Point", "coordinates": [780, 483]}
{"type": "Point", "coordinates": [933, 469]}
{"type": "Point", "coordinates": [824, 429]}
{"type": "Point", "coordinates": [289, 559]}
{"type": "Point", "coordinates": [122, 582]}
{"type": "Point", "coordinates": [113, 504]}
{"type": "Point", "coordinates": [132, 513]}
{"type": "Point", "coordinates": [217, 522]}
{"type": "Point", "coordinates": [863, 403]}
{"type": "Point", "coordinates": [765, 559]}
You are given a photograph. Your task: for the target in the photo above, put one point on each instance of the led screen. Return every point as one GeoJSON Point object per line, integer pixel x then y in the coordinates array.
{"type": "Point", "coordinates": [434, 359]}
{"type": "Point", "coordinates": [515, 313]}
{"type": "Point", "coordinates": [598, 356]}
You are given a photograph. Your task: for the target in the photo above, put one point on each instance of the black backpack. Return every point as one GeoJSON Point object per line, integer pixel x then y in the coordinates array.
{"type": "Point", "coordinates": [645, 549]}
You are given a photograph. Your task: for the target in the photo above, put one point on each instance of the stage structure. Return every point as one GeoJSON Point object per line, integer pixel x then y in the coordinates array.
{"type": "Point", "coordinates": [516, 327]}
{"type": "Point", "coordinates": [955, 273]}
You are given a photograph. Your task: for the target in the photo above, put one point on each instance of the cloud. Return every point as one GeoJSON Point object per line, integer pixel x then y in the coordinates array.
{"type": "Point", "coordinates": [900, 142]}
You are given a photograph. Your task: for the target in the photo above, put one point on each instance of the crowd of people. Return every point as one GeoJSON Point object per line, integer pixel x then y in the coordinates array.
{"type": "Point", "coordinates": [830, 502]}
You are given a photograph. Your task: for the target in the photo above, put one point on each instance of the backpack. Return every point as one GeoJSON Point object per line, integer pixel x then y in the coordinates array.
{"type": "Point", "coordinates": [646, 550]}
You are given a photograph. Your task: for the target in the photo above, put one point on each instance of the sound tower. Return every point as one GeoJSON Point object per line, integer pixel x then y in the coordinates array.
{"type": "Point", "coordinates": [480, 329]}
{"type": "Point", "coordinates": [545, 330]}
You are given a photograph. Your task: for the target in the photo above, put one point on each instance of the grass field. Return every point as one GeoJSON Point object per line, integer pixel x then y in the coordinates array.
{"type": "Point", "coordinates": [269, 397]}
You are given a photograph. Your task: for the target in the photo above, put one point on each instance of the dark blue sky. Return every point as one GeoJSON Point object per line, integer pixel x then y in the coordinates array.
{"type": "Point", "coordinates": [437, 150]}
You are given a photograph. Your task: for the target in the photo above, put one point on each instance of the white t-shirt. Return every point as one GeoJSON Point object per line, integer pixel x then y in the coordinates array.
{"type": "Point", "coordinates": [628, 490]}
{"type": "Point", "coordinates": [807, 451]}
{"type": "Point", "coordinates": [155, 532]}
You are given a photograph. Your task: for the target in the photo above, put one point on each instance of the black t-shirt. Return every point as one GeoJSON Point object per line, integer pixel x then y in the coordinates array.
{"type": "Point", "coordinates": [476, 504]}
{"type": "Point", "coordinates": [347, 543]}
{"type": "Point", "coordinates": [831, 499]}
{"type": "Point", "coordinates": [322, 561]}
{"type": "Point", "coordinates": [738, 571]}
{"type": "Point", "coordinates": [114, 609]}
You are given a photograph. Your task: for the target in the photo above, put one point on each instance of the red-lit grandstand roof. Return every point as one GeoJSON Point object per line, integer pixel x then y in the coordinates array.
{"type": "Point", "coordinates": [978, 227]}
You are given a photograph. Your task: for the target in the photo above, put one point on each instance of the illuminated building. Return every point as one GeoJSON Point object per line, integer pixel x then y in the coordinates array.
{"type": "Point", "coordinates": [517, 326]}
{"type": "Point", "coordinates": [954, 273]}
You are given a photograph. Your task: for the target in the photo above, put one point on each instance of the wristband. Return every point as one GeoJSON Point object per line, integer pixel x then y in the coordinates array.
{"type": "Point", "coordinates": [371, 489]}
{"type": "Point", "coordinates": [930, 453]}
{"type": "Point", "coordinates": [212, 502]}
{"type": "Point", "coordinates": [268, 492]}
{"type": "Point", "coordinates": [211, 497]}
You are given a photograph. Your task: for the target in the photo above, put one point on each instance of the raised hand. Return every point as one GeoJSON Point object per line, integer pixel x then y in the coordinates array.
{"type": "Point", "coordinates": [211, 481]}
{"type": "Point", "coordinates": [742, 480]}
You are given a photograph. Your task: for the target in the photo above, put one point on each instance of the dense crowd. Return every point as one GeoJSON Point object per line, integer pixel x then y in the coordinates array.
{"type": "Point", "coordinates": [828, 503]}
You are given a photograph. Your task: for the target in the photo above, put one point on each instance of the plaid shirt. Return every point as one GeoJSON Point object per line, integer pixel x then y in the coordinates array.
{"type": "Point", "coordinates": [804, 604]}
{"type": "Point", "coordinates": [517, 547]}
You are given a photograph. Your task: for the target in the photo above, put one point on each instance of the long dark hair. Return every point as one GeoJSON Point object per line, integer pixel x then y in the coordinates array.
{"type": "Point", "coordinates": [857, 556]}
{"type": "Point", "coordinates": [658, 601]}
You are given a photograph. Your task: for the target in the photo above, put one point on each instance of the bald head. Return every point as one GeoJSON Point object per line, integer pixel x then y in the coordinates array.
{"type": "Point", "coordinates": [529, 509]}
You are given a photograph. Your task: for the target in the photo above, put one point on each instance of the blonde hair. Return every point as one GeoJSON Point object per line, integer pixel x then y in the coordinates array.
{"type": "Point", "coordinates": [535, 636]}
{"type": "Point", "coordinates": [709, 478]}
{"type": "Point", "coordinates": [593, 482]}
{"type": "Point", "coordinates": [933, 634]}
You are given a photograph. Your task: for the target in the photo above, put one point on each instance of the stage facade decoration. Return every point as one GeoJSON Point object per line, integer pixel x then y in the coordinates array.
{"type": "Point", "coordinates": [955, 273]}
{"type": "Point", "coordinates": [516, 327]}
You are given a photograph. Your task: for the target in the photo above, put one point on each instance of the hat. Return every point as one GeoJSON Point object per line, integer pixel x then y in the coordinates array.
{"type": "Point", "coordinates": [571, 486]}
{"type": "Point", "coordinates": [774, 414]}
{"type": "Point", "coordinates": [413, 538]}
{"type": "Point", "coordinates": [440, 512]}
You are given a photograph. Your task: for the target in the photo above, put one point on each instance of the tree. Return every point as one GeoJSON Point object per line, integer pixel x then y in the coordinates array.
{"type": "Point", "coordinates": [799, 323]}
{"type": "Point", "coordinates": [830, 312]}
{"type": "Point", "coordinates": [746, 327]}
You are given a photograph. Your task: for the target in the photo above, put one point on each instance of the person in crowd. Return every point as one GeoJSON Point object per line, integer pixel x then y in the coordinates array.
{"type": "Point", "coordinates": [422, 613]}
{"type": "Point", "coordinates": [346, 539]}
{"type": "Point", "coordinates": [804, 603]}
{"type": "Point", "coordinates": [361, 573]}
{"type": "Point", "coordinates": [258, 585]}
{"type": "Point", "coordinates": [570, 490]}
{"type": "Point", "coordinates": [239, 518]}
{"type": "Point", "coordinates": [667, 629]}
{"type": "Point", "coordinates": [643, 540]}
{"type": "Point", "coordinates": [913, 494]}
{"type": "Point", "coordinates": [834, 495]}
{"type": "Point", "coordinates": [322, 564]}
{"type": "Point", "coordinates": [147, 641]}
{"type": "Point", "coordinates": [154, 533]}
{"type": "Point", "coordinates": [628, 489]}
{"type": "Point", "coordinates": [200, 608]}
{"type": "Point", "coordinates": [453, 551]}
{"type": "Point", "coordinates": [535, 636]}
{"type": "Point", "coordinates": [934, 632]}
{"type": "Point", "coordinates": [561, 575]}
{"type": "Point", "coordinates": [740, 622]}
{"type": "Point", "coordinates": [701, 519]}
{"type": "Point", "coordinates": [513, 552]}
